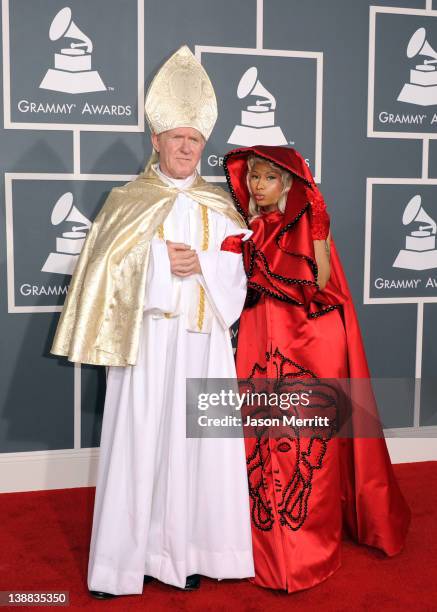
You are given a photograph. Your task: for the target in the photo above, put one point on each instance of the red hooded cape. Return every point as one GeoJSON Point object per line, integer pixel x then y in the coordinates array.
{"type": "Point", "coordinates": [302, 491]}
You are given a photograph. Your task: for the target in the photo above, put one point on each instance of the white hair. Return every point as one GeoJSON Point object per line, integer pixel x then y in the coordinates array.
{"type": "Point", "coordinates": [286, 178]}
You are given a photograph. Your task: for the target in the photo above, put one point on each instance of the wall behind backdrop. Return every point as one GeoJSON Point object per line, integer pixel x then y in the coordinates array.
{"type": "Point", "coordinates": [351, 84]}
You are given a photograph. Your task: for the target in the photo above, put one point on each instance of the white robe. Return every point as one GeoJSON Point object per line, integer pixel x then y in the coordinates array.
{"type": "Point", "coordinates": [166, 505]}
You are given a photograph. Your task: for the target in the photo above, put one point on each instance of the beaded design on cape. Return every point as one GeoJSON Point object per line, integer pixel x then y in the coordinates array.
{"type": "Point", "coordinates": [293, 491]}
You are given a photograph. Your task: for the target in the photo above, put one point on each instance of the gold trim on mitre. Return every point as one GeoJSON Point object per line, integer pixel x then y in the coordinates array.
{"type": "Point", "coordinates": [181, 95]}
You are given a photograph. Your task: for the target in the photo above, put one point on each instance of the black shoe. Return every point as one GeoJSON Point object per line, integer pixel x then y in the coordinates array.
{"type": "Point", "coordinates": [101, 595]}
{"type": "Point", "coordinates": [148, 579]}
{"type": "Point", "coordinates": [192, 583]}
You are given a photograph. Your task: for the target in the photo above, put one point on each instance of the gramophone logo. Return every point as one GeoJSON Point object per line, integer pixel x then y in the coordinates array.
{"type": "Point", "coordinates": [422, 88]}
{"type": "Point", "coordinates": [420, 251]}
{"type": "Point", "coordinates": [257, 120]}
{"type": "Point", "coordinates": [70, 244]}
{"type": "Point", "coordinates": [72, 72]}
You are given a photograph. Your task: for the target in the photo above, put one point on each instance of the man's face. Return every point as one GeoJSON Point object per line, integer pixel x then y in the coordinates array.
{"type": "Point", "coordinates": [179, 151]}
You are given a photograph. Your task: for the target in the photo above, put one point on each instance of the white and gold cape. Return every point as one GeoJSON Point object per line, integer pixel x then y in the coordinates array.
{"type": "Point", "coordinates": [101, 319]}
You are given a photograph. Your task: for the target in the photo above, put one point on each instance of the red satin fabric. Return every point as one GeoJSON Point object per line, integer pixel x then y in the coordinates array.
{"type": "Point", "coordinates": [306, 492]}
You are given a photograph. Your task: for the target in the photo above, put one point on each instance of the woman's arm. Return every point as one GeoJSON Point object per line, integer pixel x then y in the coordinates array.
{"type": "Point", "coordinates": [321, 235]}
{"type": "Point", "coordinates": [322, 253]}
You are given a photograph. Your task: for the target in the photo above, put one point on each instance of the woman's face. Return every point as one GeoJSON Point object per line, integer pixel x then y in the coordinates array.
{"type": "Point", "coordinates": [265, 185]}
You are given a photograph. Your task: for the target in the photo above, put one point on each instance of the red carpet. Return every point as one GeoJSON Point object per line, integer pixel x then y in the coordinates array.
{"type": "Point", "coordinates": [45, 537]}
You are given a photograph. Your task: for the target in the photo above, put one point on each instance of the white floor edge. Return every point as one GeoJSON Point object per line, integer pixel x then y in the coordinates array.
{"type": "Point", "coordinates": [66, 469]}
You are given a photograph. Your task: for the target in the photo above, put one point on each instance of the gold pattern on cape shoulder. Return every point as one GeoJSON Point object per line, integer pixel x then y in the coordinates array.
{"type": "Point", "coordinates": [101, 320]}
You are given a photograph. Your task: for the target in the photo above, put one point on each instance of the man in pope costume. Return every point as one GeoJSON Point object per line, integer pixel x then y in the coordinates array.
{"type": "Point", "coordinates": [152, 297]}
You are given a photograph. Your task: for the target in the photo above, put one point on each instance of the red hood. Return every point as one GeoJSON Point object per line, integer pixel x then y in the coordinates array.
{"type": "Point", "coordinates": [285, 266]}
{"type": "Point", "coordinates": [303, 190]}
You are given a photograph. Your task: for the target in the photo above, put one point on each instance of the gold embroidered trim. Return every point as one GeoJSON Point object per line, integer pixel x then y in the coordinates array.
{"type": "Point", "coordinates": [167, 315]}
{"type": "Point", "coordinates": [205, 224]}
{"type": "Point", "coordinates": [201, 313]}
{"type": "Point", "coordinates": [205, 244]}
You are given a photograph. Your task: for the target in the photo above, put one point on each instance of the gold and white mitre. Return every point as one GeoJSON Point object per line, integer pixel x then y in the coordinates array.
{"type": "Point", "coordinates": [181, 95]}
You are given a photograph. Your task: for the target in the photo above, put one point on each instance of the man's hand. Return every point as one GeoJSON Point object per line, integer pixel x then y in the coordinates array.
{"type": "Point", "coordinates": [183, 260]}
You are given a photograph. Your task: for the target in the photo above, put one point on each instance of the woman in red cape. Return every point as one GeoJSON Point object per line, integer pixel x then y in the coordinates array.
{"type": "Point", "coordinates": [305, 492]}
